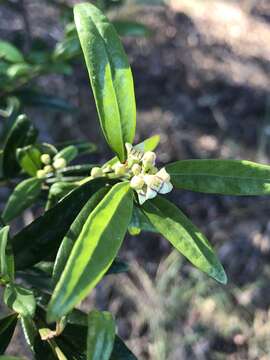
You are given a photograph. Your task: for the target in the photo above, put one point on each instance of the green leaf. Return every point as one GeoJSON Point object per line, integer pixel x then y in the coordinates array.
{"type": "Point", "coordinates": [18, 70]}
{"type": "Point", "coordinates": [100, 337]}
{"type": "Point", "coordinates": [131, 28]}
{"type": "Point", "coordinates": [20, 299]}
{"type": "Point", "coordinates": [147, 145]}
{"type": "Point", "coordinates": [68, 153]}
{"type": "Point", "coordinates": [21, 134]}
{"type": "Point", "coordinates": [10, 53]}
{"type": "Point", "coordinates": [40, 348]}
{"type": "Point", "coordinates": [35, 243]}
{"type": "Point", "coordinates": [117, 267]}
{"type": "Point", "coordinates": [74, 232]}
{"type": "Point", "coordinates": [83, 147]}
{"type": "Point", "coordinates": [6, 256]}
{"type": "Point", "coordinates": [227, 177]}
{"type": "Point", "coordinates": [29, 159]}
{"type": "Point", "coordinates": [184, 236]}
{"type": "Point", "coordinates": [78, 335]}
{"type": "Point", "coordinates": [110, 76]}
{"type": "Point", "coordinates": [37, 98]}
{"type": "Point", "coordinates": [23, 196]}
{"type": "Point", "coordinates": [121, 351]}
{"type": "Point", "coordinates": [7, 357]}
{"type": "Point", "coordinates": [94, 250]}
{"type": "Point", "coordinates": [58, 191]}
{"type": "Point", "coordinates": [7, 327]}
{"type": "Point", "coordinates": [139, 222]}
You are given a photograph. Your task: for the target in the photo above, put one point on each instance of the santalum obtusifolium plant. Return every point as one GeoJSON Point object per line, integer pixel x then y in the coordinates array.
{"type": "Point", "coordinates": [52, 264]}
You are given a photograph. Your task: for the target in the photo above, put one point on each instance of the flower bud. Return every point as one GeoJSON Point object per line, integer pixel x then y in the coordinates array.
{"type": "Point", "coordinates": [96, 172]}
{"type": "Point", "coordinates": [136, 169]}
{"type": "Point", "coordinates": [149, 158]}
{"type": "Point", "coordinates": [59, 163]}
{"type": "Point", "coordinates": [48, 169]}
{"type": "Point", "coordinates": [119, 169]}
{"type": "Point", "coordinates": [137, 182]}
{"type": "Point", "coordinates": [107, 169]}
{"type": "Point", "coordinates": [45, 159]}
{"type": "Point", "coordinates": [40, 174]}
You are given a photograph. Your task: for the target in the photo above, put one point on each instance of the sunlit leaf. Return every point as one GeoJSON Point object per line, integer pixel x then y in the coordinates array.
{"type": "Point", "coordinates": [184, 236]}
{"type": "Point", "coordinates": [94, 250]}
{"type": "Point", "coordinates": [110, 76]}
{"type": "Point", "coordinates": [227, 177]}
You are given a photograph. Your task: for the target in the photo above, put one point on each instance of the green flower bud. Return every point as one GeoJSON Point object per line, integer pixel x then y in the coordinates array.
{"type": "Point", "coordinates": [136, 169]}
{"type": "Point", "coordinates": [45, 159]}
{"type": "Point", "coordinates": [96, 172]}
{"type": "Point", "coordinates": [149, 158]}
{"type": "Point", "coordinates": [48, 169]}
{"type": "Point", "coordinates": [40, 174]}
{"type": "Point", "coordinates": [137, 182]}
{"type": "Point", "coordinates": [120, 169]}
{"type": "Point", "coordinates": [59, 163]}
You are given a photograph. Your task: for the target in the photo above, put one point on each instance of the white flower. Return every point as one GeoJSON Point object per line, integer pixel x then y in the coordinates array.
{"type": "Point", "coordinates": [158, 183]}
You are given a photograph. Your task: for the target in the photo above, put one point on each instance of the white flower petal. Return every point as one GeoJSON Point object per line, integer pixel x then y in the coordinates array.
{"type": "Point", "coordinates": [162, 174]}
{"type": "Point", "coordinates": [141, 197]}
{"type": "Point", "coordinates": [150, 193]}
{"type": "Point", "coordinates": [165, 188]}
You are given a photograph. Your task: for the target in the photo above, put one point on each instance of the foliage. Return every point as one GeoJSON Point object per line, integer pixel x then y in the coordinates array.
{"type": "Point", "coordinates": [48, 267]}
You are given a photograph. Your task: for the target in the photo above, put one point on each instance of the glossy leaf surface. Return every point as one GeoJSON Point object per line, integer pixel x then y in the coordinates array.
{"type": "Point", "coordinates": [10, 53]}
{"type": "Point", "coordinates": [35, 242]}
{"type": "Point", "coordinates": [110, 76]}
{"type": "Point", "coordinates": [24, 195]}
{"type": "Point", "coordinates": [20, 299]}
{"type": "Point", "coordinates": [6, 256]}
{"type": "Point", "coordinates": [21, 134]}
{"type": "Point", "coordinates": [29, 159]}
{"type": "Point", "coordinates": [94, 250]}
{"type": "Point", "coordinates": [184, 236]}
{"type": "Point", "coordinates": [7, 327]}
{"type": "Point", "coordinates": [227, 177]}
{"type": "Point", "coordinates": [74, 232]}
{"type": "Point", "coordinates": [100, 337]}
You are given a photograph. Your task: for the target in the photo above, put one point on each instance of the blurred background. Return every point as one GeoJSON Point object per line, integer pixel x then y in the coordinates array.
{"type": "Point", "coordinates": [201, 72]}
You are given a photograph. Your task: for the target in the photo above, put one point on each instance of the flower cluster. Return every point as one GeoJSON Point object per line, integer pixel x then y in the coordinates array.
{"type": "Point", "coordinates": [50, 165]}
{"type": "Point", "coordinates": [145, 178]}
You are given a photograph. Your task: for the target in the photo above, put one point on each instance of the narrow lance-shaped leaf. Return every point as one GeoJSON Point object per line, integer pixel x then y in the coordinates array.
{"type": "Point", "coordinates": [100, 337]}
{"type": "Point", "coordinates": [74, 232]}
{"type": "Point", "coordinates": [7, 327]}
{"type": "Point", "coordinates": [10, 53]}
{"type": "Point", "coordinates": [68, 153]}
{"type": "Point", "coordinates": [6, 256]}
{"type": "Point", "coordinates": [24, 195]}
{"type": "Point", "coordinates": [184, 236]}
{"type": "Point", "coordinates": [21, 134]}
{"type": "Point", "coordinates": [34, 243]}
{"type": "Point", "coordinates": [94, 250]}
{"type": "Point", "coordinates": [227, 177]}
{"type": "Point", "coordinates": [29, 159]}
{"type": "Point", "coordinates": [76, 332]}
{"type": "Point", "coordinates": [110, 76]}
